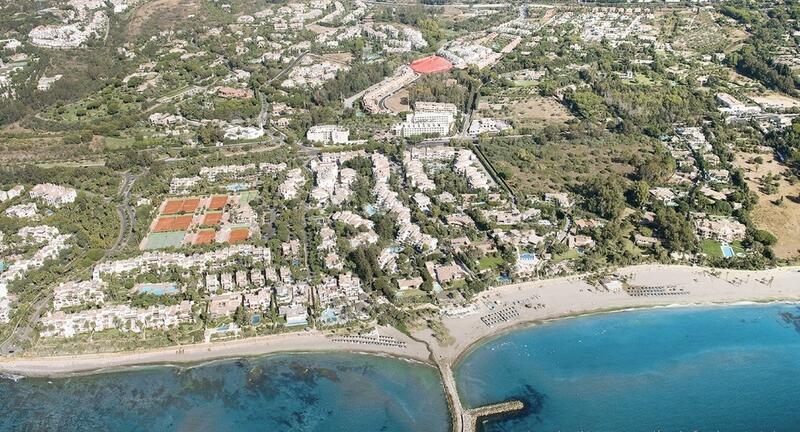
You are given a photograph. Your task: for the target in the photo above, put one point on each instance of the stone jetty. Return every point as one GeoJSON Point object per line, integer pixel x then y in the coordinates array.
{"type": "Point", "coordinates": [466, 420]}
{"type": "Point", "coordinates": [471, 417]}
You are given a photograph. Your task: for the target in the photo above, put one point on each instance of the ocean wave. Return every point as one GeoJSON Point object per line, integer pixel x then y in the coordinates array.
{"type": "Point", "coordinates": [10, 376]}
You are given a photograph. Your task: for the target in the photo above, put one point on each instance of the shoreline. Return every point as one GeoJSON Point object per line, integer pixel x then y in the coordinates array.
{"type": "Point", "coordinates": [572, 296]}
{"type": "Point", "coordinates": [563, 298]}
{"type": "Point", "coordinates": [184, 366]}
{"type": "Point", "coordinates": [526, 325]}
{"type": "Point", "coordinates": [191, 356]}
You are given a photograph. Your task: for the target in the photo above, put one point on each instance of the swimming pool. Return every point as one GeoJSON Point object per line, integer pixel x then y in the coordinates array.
{"type": "Point", "coordinates": [237, 187]}
{"type": "Point", "coordinates": [157, 289]}
{"type": "Point", "coordinates": [527, 256]}
{"type": "Point", "coordinates": [727, 250]}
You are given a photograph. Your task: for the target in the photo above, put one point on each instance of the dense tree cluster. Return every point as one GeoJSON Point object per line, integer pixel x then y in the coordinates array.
{"type": "Point", "coordinates": [604, 196]}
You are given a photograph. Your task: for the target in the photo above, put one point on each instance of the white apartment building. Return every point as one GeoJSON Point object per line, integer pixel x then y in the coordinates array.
{"type": "Point", "coordinates": [121, 317]}
{"type": "Point", "coordinates": [11, 193]}
{"type": "Point", "coordinates": [71, 294]}
{"type": "Point", "coordinates": [428, 118]}
{"type": "Point", "coordinates": [328, 134]}
{"type": "Point", "coordinates": [54, 195]}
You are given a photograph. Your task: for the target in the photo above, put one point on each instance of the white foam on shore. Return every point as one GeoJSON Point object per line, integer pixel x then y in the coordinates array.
{"type": "Point", "coordinates": [11, 377]}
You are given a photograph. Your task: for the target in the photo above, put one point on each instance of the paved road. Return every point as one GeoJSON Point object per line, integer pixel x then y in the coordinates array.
{"type": "Point", "coordinates": [349, 102]}
{"type": "Point", "coordinates": [126, 214]}
{"type": "Point", "coordinates": [289, 66]}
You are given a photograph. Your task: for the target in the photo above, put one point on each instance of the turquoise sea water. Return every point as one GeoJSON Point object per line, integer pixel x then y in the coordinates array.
{"type": "Point", "coordinates": [685, 369]}
{"type": "Point", "coordinates": [292, 392]}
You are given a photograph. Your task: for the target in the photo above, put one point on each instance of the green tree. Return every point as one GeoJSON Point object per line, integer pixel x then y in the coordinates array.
{"type": "Point", "coordinates": [676, 230]}
{"type": "Point", "coordinates": [210, 135]}
{"type": "Point", "coordinates": [639, 194]}
{"type": "Point", "coordinates": [240, 316]}
{"type": "Point", "coordinates": [604, 197]}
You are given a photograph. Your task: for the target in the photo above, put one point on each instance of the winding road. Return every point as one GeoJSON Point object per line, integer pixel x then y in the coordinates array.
{"type": "Point", "coordinates": [126, 214]}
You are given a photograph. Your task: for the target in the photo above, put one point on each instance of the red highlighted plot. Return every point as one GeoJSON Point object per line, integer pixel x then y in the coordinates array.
{"type": "Point", "coordinates": [173, 206]}
{"type": "Point", "coordinates": [204, 237]}
{"type": "Point", "coordinates": [238, 234]}
{"type": "Point", "coordinates": [212, 219]}
{"type": "Point", "coordinates": [173, 223]}
{"type": "Point", "coordinates": [218, 202]}
{"type": "Point", "coordinates": [188, 205]}
{"type": "Point", "coordinates": [431, 64]}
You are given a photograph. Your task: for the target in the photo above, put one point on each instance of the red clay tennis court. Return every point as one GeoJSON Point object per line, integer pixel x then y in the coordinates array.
{"type": "Point", "coordinates": [204, 237]}
{"type": "Point", "coordinates": [238, 234]}
{"type": "Point", "coordinates": [431, 64]}
{"type": "Point", "coordinates": [188, 205]}
{"type": "Point", "coordinates": [173, 223]}
{"type": "Point", "coordinates": [212, 219]}
{"type": "Point", "coordinates": [218, 202]}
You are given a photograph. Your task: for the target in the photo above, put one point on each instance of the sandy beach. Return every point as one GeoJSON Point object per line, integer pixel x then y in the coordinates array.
{"type": "Point", "coordinates": [306, 341]}
{"type": "Point", "coordinates": [573, 296]}
{"type": "Point", "coordinates": [550, 299]}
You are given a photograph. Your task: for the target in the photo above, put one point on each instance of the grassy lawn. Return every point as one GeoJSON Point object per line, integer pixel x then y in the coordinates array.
{"type": "Point", "coordinates": [113, 143]}
{"type": "Point", "coordinates": [490, 262]}
{"type": "Point", "coordinates": [632, 248]}
{"type": "Point", "coordinates": [175, 92]}
{"type": "Point", "coordinates": [712, 248]}
{"type": "Point", "coordinates": [568, 255]}
{"type": "Point", "coordinates": [641, 80]}
{"type": "Point", "coordinates": [518, 83]}
{"type": "Point", "coordinates": [413, 296]}
{"type": "Point", "coordinates": [457, 284]}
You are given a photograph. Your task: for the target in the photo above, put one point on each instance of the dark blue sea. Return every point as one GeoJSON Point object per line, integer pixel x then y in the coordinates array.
{"type": "Point", "coordinates": [293, 392]}
{"type": "Point", "coordinates": [725, 369]}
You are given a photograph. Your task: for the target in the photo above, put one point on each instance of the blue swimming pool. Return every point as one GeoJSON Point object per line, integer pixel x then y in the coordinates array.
{"type": "Point", "coordinates": [727, 251]}
{"type": "Point", "coordinates": [503, 278]}
{"type": "Point", "coordinates": [158, 289]}
{"type": "Point", "coordinates": [527, 256]}
{"type": "Point", "coordinates": [237, 187]}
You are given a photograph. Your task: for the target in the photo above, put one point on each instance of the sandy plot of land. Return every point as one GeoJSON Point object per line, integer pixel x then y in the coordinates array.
{"type": "Point", "coordinates": [166, 12]}
{"type": "Point", "coordinates": [697, 31]}
{"type": "Point", "coordinates": [781, 220]}
{"type": "Point", "coordinates": [531, 111]}
{"type": "Point", "coordinates": [318, 29]}
{"type": "Point", "coordinates": [775, 100]}
{"type": "Point", "coordinates": [398, 102]}
{"type": "Point", "coordinates": [341, 57]}
{"type": "Point", "coordinates": [741, 80]}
